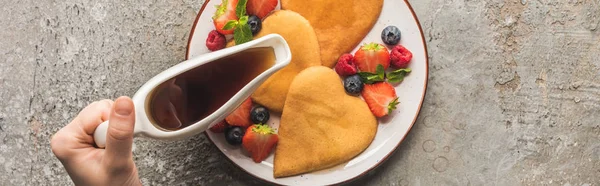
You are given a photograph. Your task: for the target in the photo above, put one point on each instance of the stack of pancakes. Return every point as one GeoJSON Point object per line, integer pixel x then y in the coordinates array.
{"type": "Point", "coordinates": [321, 126]}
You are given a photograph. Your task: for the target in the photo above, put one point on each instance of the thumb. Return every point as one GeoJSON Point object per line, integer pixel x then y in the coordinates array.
{"type": "Point", "coordinates": [119, 137]}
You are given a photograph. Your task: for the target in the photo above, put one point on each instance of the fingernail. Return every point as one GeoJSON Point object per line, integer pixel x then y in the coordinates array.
{"type": "Point", "coordinates": [122, 108]}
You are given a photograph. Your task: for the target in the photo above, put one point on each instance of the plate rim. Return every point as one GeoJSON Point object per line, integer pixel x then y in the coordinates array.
{"type": "Point", "coordinates": [387, 156]}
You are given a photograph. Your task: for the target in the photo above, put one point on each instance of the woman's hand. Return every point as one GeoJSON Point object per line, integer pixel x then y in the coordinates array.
{"type": "Point", "coordinates": [74, 146]}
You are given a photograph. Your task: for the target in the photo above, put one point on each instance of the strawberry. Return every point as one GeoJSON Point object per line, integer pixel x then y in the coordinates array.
{"type": "Point", "coordinates": [219, 127]}
{"type": "Point", "coordinates": [225, 13]}
{"type": "Point", "coordinates": [381, 98]}
{"type": "Point", "coordinates": [370, 55]}
{"type": "Point", "coordinates": [259, 140]}
{"type": "Point", "coordinates": [241, 115]}
{"type": "Point", "coordinates": [261, 8]}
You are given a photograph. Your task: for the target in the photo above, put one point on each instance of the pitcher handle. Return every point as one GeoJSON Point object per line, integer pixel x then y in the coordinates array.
{"type": "Point", "coordinates": [100, 134]}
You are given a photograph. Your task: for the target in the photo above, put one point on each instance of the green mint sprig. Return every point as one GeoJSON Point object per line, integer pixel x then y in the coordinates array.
{"type": "Point", "coordinates": [397, 76]}
{"type": "Point", "coordinates": [240, 8]}
{"type": "Point", "coordinates": [379, 75]}
{"type": "Point", "coordinates": [370, 78]}
{"type": "Point", "coordinates": [241, 32]}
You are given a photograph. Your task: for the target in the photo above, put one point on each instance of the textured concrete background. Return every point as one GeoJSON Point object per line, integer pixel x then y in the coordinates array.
{"type": "Point", "coordinates": [513, 98]}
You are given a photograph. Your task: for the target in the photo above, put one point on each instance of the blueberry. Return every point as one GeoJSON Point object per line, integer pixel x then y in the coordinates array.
{"type": "Point", "coordinates": [255, 24]}
{"type": "Point", "coordinates": [259, 114]}
{"type": "Point", "coordinates": [390, 35]}
{"type": "Point", "coordinates": [353, 84]}
{"type": "Point", "coordinates": [234, 135]}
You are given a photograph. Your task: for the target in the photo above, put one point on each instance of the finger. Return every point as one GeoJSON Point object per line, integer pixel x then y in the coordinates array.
{"type": "Point", "coordinates": [77, 134]}
{"type": "Point", "coordinates": [106, 113]}
{"type": "Point", "coordinates": [119, 137]}
{"type": "Point", "coordinates": [93, 115]}
{"type": "Point", "coordinates": [58, 145]}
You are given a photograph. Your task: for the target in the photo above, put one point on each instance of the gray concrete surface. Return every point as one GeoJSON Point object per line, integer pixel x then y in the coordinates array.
{"type": "Point", "coordinates": [513, 99]}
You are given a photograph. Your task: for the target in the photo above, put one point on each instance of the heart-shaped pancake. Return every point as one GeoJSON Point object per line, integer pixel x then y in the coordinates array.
{"type": "Point", "coordinates": [340, 24]}
{"type": "Point", "coordinates": [321, 126]}
{"type": "Point", "coordinates": [304, 46]}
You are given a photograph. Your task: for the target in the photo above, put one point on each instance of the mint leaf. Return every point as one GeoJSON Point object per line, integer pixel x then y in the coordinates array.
{"type": "Point", "coordinates": [240, 9]}
{"type": "Point", "coordinates": [242, 34]}
{"type": "Point", "coordinates": [369, 78]}
{"type": "Point", "coordinates": [398, 75]}
{"type": "Point", "coordinates": [230, 25]}
{"type": "Point", "coordinates": [365, 77]}
{"type": "Point", "coordinates": [243, 20]}
{"type": "Point", "coordinates": [380, 71]}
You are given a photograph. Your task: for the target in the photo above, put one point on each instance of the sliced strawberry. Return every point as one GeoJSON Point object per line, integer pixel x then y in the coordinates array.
{"type": "Point", "coordinates": [370, 55]}
{"type": "Point", "coordinates": [381, 98]}
{"type": "Point", "coordinates": [241, 115]}
{"type": "Point", "coordinates": [225, 13]}
{"type": "Point", "coordinates": [219, 127]}
{"type": "Point", "coordinates": [259, 141]}
{"type": "Point", "coordinates": [260, 8]}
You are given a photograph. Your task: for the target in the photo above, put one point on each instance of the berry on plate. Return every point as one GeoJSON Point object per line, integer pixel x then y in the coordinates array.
{"type": "Point", "coordinates": [390, 35]}
{"type": "Point", "coordinates": [215, 41]}
{"type": "Point", "coordinates": [400, 57]}
{"type": "Point", "coordinates": [345, 65]}
{"type": "Point", "coordinates": [380, 97]}
{"type": "Point", "coordinates": [353, 84]}
{"type": "Point", "coordinates": [370, 55]}
{"type": "Point", "coordinates": [261, 8]}
{"type": "Point", "coordinates": [255, 24]}
{"type": "Point", "coordinates": [259, 141]}
{"type": "Point", "coordinates": [219, 127]}
{"type": "Point", "coordinates": [241, 115]}
{"type": "Point", "coordinates": [225, 13]}
{"type": "Point", "coordinates": [234, 135]}
{"type": "Point", "coordinates": [259, 115]}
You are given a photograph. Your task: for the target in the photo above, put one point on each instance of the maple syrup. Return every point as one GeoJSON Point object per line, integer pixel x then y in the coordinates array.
{"type": "Point", "coordinates": [197, 93]}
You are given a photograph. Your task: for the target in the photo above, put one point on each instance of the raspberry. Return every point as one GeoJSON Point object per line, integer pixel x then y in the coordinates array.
{"type": "Point", "coordinates": [215, 41]}
{"type": "Point", "coordinates": [400, 57]}
{"type": "Point", "coordinates": [219, 127]}
{"type": "Point", "coordinates": [345, 65]}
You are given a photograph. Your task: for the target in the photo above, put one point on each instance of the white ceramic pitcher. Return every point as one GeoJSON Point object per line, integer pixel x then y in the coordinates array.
{"type": "Point", "coordinates": [143, 125]}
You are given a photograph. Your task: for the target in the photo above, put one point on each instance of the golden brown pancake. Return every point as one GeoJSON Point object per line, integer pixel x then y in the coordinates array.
{"type": "Point", "coordinates": [321, 126]}
{"type": "Point", "coordinates": [340, 24]}
{"type": "Point", "coordinates": [304, 46]}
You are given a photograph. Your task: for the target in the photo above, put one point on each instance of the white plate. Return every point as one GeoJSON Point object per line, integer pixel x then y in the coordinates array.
{"type": "Point", "coordinates": [391, 131]}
